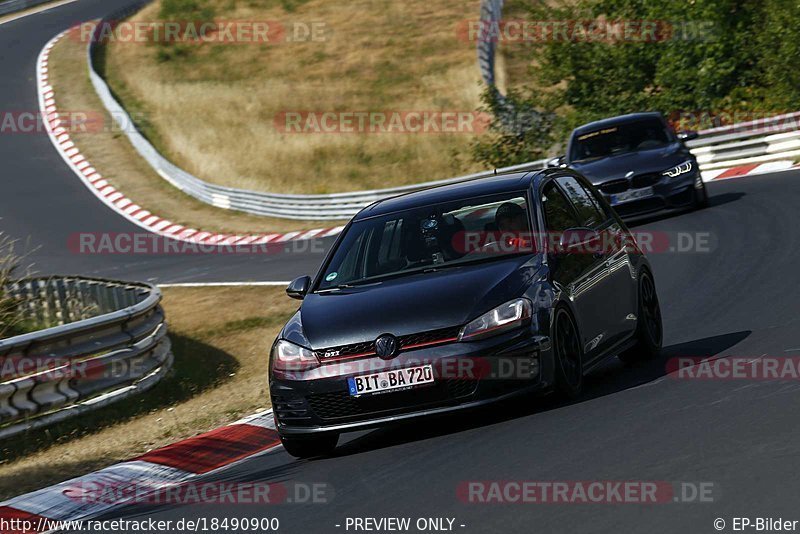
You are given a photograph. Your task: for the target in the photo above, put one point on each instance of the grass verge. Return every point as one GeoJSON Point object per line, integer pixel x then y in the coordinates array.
{"type": "Point", "coordinates": [219, 375]}
{"type": "Point", "coordinates": [114, 157]}
{"type": "Point", "coordinates": [212, 108]}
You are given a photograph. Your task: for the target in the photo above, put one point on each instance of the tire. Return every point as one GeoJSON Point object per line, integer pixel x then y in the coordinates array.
{"type": "Point", "coordinates": [649, 329]}
{"type": "Point", "coordinates": [568, 354]}
{"type": "Point", "coordinates": [309, 447]}
{"type": "Point", "coordinates": [701, 197]}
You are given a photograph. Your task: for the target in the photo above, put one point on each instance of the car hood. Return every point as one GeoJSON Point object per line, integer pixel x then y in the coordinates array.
{"type": "Point", "coordinates": [410, 304]}
{"type": "Point", "coordinates": [603, 170]}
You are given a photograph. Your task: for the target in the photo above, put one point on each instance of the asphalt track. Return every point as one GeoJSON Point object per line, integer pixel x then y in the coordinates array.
{"type": "Point", "coordinates": [43, 203]}
{"type": "Point", "coordinates": [633, 423]}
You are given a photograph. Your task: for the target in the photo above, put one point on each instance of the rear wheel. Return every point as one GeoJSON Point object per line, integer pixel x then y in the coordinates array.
{"type": "Point", "coordinates": [311, 446]}
{"type": "Point", "coordinates": [568, 355]}
{"type": "Point", "coordinates": [649, 330]}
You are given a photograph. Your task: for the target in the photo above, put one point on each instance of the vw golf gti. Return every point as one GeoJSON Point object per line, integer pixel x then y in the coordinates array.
{"type": "Point", "coordinates": [457, 296]}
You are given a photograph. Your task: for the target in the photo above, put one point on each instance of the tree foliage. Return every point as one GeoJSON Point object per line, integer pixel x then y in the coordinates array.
{"type": "Point", "coordinates": [721, 57]}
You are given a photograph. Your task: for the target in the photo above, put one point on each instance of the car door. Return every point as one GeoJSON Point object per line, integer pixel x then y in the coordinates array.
{"type": "Point", "coordinates": [618, 286]}
{"type": "Point", "coordinates": [622, 275]}
{"type": "Point", "coordinates": [580, 275]}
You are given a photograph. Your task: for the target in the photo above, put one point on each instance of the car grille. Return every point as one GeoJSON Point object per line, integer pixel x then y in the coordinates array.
{"type": "Point", "coordinates": [613, 187]}
{"type": "Point", "coordinates": [432, 337]}
{"type": "Point", "coordinates": [645, 180]}
{"type": "Point", "coordinates": [340, 405]}
{"type": "Point", "coordinates": [408, 342]}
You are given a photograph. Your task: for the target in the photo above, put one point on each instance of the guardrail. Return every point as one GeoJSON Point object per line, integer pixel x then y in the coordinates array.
{"type": "Point", "coordinates": [109, 342]}
{"type": "Point", "coordinates": [716, 148]}
{"type": "Point", "coordinates": [333, 206]}
{"type": "Point", "coordinates": [12, 6]}
{"type": "Point", "coordinates": [759, 141]}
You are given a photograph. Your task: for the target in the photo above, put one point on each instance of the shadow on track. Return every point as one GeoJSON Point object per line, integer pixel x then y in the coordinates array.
{"type": "Point", "coordinates": [610, 378]}
{"type": "Point", "coordinates": [714, 201]}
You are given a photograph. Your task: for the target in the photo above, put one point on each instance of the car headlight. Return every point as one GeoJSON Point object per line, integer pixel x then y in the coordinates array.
{"type": "Point", "coordinates": [503, 318]}
{"type": "Point", "coordinates": [676, 171]}
{"type": "Point", "coordinates": [287, 356]}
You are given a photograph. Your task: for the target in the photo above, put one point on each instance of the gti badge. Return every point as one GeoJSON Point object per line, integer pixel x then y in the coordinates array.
{"type": "Point", "coordinates": [386, 347]}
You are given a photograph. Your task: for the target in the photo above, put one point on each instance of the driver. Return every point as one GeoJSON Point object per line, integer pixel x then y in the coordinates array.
{"type": "Point", "coordinates": [510, 217]}
{"type": "Point", "coordinates": [512, 222]}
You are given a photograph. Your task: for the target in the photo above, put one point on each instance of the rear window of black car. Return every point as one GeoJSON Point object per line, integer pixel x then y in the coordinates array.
{"type": "Point", "coordinates": [631, 136]}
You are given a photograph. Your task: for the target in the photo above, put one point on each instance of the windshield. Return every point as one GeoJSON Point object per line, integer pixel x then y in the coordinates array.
{"type": "Point", "coordinates": [627, 137]}
{"type": "Point", "coordinates": [429, 237]}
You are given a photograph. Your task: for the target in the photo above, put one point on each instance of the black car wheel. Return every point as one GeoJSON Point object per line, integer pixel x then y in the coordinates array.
{"type": "Point", "coordinates": [701, 196]}
{"type": "Point", "coordinates": [568, 355]}
{"type": "Point", "coordinates": [649, 330]}
{"type": "Point", "coordinates": [309, 447]}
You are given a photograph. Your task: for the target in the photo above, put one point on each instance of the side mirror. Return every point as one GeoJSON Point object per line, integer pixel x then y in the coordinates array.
{"type": "Point", "coordinates": [580, 241]}
{"type": "Point", "coordinates": [299, 287]}
{"type": "Point", "coordinates": [557, 161]}
{"type": "Point", "coordinates": [687, 136]}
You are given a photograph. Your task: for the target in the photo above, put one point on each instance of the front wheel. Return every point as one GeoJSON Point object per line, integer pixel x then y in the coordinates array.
{"type": "Point", "coordinates": [701, 196]}
{"type": "Point", "coordinates": [568, 355]}
{"type": "Point", "coordinates": [649, 331]}
{"type": "Point", "coordinates": [311, 446]}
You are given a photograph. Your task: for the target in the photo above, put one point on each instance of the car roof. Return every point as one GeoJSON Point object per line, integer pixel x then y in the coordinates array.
{"type": "Point", "coordinates": [491, 185]}
{"type": "Point", "coordinates": [613, 121]}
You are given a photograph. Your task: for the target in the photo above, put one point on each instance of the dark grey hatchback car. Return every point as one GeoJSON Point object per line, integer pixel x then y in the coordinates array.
{"type": "Point", "coordinates": [458, 296]}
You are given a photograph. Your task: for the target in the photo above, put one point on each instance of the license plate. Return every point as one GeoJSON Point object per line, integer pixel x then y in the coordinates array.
{"type": "Point", "coordinates": [395, 379]}
{"type": "Point", "coordinates": [635, 194]}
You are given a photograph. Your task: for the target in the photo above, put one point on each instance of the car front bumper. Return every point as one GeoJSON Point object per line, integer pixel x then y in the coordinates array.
{"type": "Point", "coordinates": [467, 375]}
{"type": "Point", "coordinates": [668, 195]}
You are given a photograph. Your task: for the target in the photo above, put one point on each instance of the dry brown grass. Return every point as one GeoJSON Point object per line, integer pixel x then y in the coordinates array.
{"type": "Point", "coordinates": [212, 111]}
{"type": "Point", "coordinates": [220, 372]}
{"type": "Point", "coordinates": [114, 157]}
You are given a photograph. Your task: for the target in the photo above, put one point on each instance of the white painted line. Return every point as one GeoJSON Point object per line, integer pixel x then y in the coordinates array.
{"type": "Point", "coordinates": [34, 11]}
{"type": "Point", "coordinates": [226, 284]}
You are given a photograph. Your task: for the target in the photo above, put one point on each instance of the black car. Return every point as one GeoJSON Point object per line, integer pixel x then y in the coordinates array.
{"type": "Point", "coordinates": [639, 164]}
{"type": "Point", "coordinates": [458, 296]}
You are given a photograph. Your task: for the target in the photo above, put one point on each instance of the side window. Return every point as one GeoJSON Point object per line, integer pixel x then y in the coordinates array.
{"type": "Point", "coordinates": [558, 212]}
{"type": "Point", "coordinates": [586, 206]}
{"type": "Point", "coordinates": [594, 195]}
